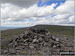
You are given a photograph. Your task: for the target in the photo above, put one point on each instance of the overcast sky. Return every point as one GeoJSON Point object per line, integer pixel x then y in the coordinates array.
{"type": "Point", "coordinates": [33, 12]}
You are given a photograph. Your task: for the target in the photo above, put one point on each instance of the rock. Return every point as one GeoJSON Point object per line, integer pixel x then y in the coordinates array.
{"type": "Point", "coordinates": [35, 41]}
{"type": "Point", "coordinates": [31, 46]}
{"type": "Point", "coordinates": [57, 39]}
{"type": "Point", "coordinates": [12, 51]}
{"type": "Point", "coordinates": [5, 51]}
{"type": "Point", "coordinates": [53, 38]}
{"type": "Point", "coordinates": [54, 46]}
{"type": "Point", "coordinates": [25, 44]}
{"type": "Point", "coordinates": [40, 39]}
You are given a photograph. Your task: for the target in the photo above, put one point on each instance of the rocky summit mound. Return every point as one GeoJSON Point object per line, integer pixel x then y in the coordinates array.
{"type": "Point", "coordinates": [36, 41]}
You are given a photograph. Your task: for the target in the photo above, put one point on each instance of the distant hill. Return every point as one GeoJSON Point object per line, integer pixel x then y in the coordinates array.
{"type": "Point", "coordinates": [54, 29]}
{"type": "Point", "coordinates": [6, 28]}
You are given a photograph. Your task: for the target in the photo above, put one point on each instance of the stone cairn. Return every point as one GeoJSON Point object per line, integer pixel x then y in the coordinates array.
{"type": "Point", "coordinates": [34, 40]}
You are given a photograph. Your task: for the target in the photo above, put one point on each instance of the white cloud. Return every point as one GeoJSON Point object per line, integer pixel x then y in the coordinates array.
{"type": "Point", "coordinates": [11, 14]}
{"type": "Point", "coordinates": [67, 7]}
{"type": "Point", "coordinates": [72, 19]}
{"type": "Point", "coordinates": [65, 13]}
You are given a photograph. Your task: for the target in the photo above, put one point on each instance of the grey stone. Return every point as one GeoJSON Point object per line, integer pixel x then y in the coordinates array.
{"type": "Point", "coordinates": [5, 51]}
{"type": "Point", "coordinates": [31, 46]}
{"type": "Point", "coordinates": [57, 39]}
{"type": "Point", "coordinates": [35, 41]}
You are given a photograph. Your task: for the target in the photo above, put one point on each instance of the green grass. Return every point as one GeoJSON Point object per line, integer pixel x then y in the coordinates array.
{"type": "Point", "coordinates": [12, 32]}
{"type": "Point", "coordinates": [56, 30]}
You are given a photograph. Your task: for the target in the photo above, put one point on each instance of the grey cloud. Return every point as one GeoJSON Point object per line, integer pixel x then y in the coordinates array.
{"type": "Point", "coordinates": [21, 3]}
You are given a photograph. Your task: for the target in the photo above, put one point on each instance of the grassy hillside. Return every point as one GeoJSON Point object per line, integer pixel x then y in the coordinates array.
{"type": "Point", "coordinates": [56, 30]}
